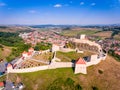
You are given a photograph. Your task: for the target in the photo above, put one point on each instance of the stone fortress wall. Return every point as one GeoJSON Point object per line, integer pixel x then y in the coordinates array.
{"type": "Point", "coordinates": [79, 67]}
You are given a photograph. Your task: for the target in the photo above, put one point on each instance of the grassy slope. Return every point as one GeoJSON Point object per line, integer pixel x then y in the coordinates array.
{"type": "Point", "coordinates": [109, 80]}
{"type": "Point", "coordinates": [104, 34]}
{"type": "Point", "coordinates": [5, 52]}
{"type": "Point", "coordinates": [67, 57]}
{"type": "Point", "coordinates": [75, 32]}
{"type": "Point", "coordinates": [117, 36]}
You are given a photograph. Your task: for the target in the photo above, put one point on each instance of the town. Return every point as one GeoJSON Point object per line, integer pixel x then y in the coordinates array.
{"type": "Point", "coordinates": [51, 49]}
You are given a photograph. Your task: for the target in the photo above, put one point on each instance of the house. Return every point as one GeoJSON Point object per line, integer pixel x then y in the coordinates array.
{"type": "Point", "coordinates": [2, 85]}
{"type": "Point", "coordinates": [9, 66]}
{"type": "Point", "coordinates": [28, 54]}
{"type": "Point", "coordinates": [31, 50]}
{"type": "Point", "coordinates": [80, 66]}
{"type": "Point", "coordinates": [24, 54]}
{"type": "Point", "coordinates": [117, 52]}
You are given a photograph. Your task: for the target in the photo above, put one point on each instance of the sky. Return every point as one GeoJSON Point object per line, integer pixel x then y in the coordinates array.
{"type": "Point", "coordinates": [79, 12]}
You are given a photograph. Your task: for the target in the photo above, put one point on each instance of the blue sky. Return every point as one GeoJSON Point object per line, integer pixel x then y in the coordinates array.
{"type": "Point", "coordinates": [81, 12]}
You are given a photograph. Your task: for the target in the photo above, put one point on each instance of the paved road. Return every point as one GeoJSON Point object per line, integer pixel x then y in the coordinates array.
{"type": "Point", "coordinates": [3, 66]}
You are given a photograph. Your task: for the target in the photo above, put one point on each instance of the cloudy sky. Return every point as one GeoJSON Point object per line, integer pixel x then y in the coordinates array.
{"type": "Point", "coordinates": [80, 12]}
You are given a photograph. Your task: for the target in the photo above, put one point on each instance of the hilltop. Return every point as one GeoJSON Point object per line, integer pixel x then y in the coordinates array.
{"type": "Point", "coordinates": [102, 76]}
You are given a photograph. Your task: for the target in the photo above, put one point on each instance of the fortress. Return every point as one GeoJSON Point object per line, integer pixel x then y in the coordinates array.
{"type": "Point", "coordinates": [80, 65]}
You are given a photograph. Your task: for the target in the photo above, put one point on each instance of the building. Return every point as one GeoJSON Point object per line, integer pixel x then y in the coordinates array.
{"type": "Point", "coordinates": [80, 66]}
{"type": "Point", "coordinates": [28, 54]}
{"type": "Point", "coordinates": [2, 85]}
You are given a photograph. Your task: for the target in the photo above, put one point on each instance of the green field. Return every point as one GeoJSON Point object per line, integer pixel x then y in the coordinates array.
{"type": "Point", "coordinates": [69, 56]}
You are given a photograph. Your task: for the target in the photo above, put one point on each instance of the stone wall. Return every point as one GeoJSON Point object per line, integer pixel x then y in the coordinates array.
{"type": "Point", "coordinates": [85, 45]}
{"type": "Point", "coordinates": [66, 50]}
{"type": "Point", "coordinates": [61, 65]}
{"type": "Point", "coordinates": [26, 70]}
{"type": "Point", "coordinates": [53, 65]}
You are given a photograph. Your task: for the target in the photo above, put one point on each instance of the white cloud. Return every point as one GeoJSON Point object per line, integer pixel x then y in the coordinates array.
{"type": "Point", "coordinates": [82, 3]}
{"type": "Point", "coordinates": [93, 4]}
{"type": "Point", "coordinates": [32, 11]}
{"type": "Point", "coordinates": [57, 5]}
{"type": "Point", "coordinates": [2, 4]}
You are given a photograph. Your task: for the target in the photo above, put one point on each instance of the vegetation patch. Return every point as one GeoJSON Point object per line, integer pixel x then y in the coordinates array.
{"type": "Point", "coordinates": [76, 32]}
{"type": "Point", "coordinates": [15, 42]}
{"type": "Point", "coordinates": [94, 88]}
{"type": "Point", "coordinates": [60, 84]}
{"type": "Point", "coordinates": [69, 56]}
{"type": "Point", "coordinates": [42, 46]}
{"type": "Point", "coordinates": [100, 71]}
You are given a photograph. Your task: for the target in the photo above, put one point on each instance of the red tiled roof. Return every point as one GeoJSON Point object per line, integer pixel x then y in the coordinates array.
{"type": "Point", "coordinates": [80, 61]}
{"type": "Point", "coordinates": [29, 53]}
{"type": "Point", "coordinates": [1, 84]}
{"type": "Point", "coordinates": [117, 52]}
{"type": "Point", "coordinates": [9, 65]}
{"type": "Point", "coordinates": [31, 49]}
{"type": "Point", "coordinates": [24, 52]}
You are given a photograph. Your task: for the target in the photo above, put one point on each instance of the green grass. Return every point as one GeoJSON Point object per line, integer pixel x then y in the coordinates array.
{"type": "Point", "coordinates": [45, 56]}
{"type": "Point", "coordinates": [0, 53]}
{"type": "Point", "coordinates": [67, 57]}
{"type": "Point", "coordinates": [2, 78]}
{"type": "Point", "coordinates": [41, 80]}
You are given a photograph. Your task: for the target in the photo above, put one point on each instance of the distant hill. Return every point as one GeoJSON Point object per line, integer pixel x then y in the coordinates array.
{"type": "Point", "coordinates": [15, 29]}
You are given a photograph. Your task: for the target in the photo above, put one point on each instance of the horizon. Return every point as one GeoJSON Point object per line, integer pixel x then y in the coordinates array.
{"type": "Point", "coordinates": [60, 12]}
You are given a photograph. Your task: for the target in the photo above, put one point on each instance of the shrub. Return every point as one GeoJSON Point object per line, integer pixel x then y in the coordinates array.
{"type": "Point", "coordinates": [78, 87]}
{"type": "Point", "coordinates": [100, 71]}
{"type": "Point", "coordinates": [94, 88]}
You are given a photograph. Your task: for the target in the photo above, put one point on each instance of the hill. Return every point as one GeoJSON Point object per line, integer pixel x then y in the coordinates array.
{"type": "Point", "coordinates": [104, 76]}
{"type": "Point", "coordinates": [14, 29]}
{"type": "Point", "coordinates": [3, 51]}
